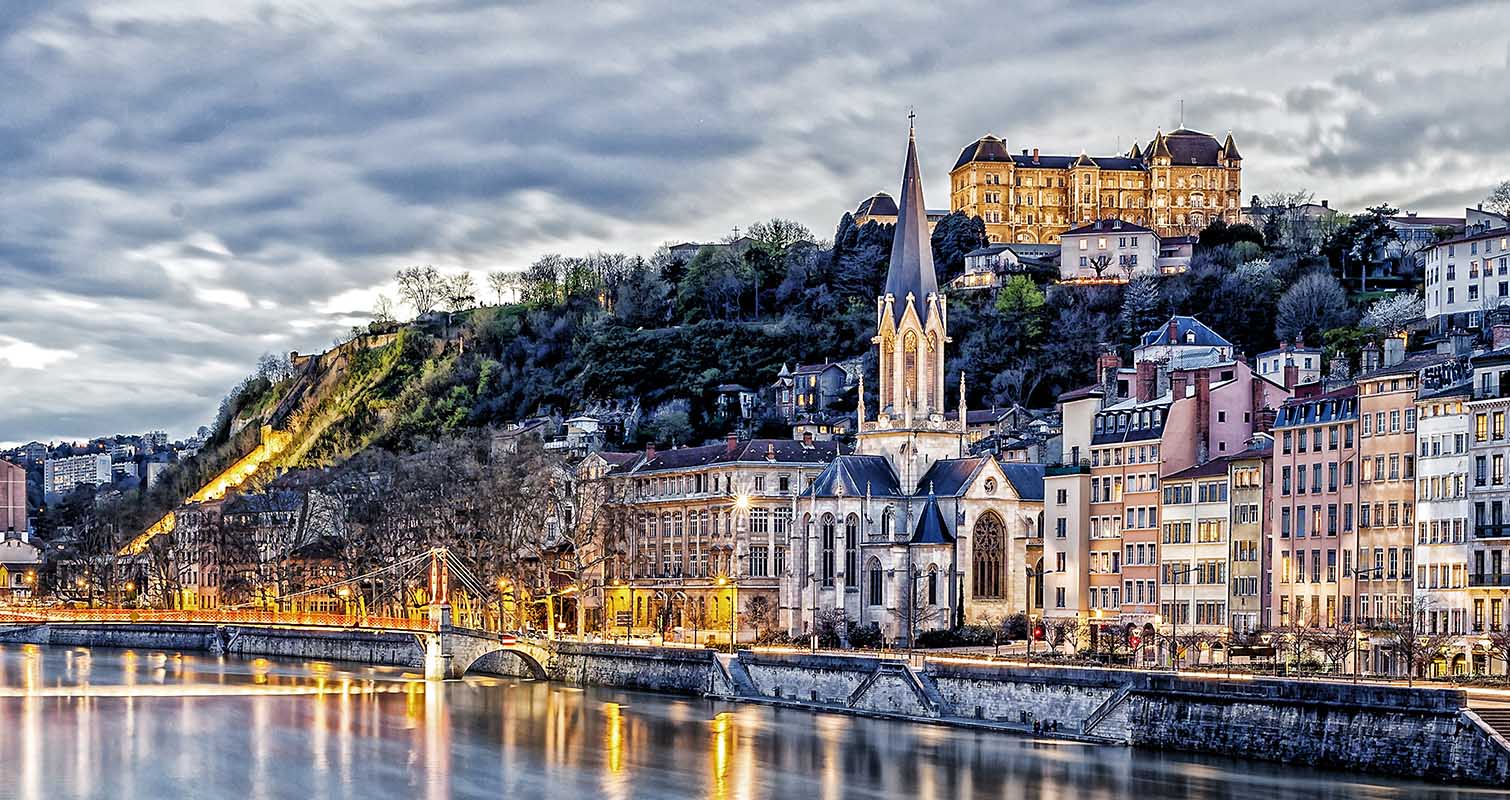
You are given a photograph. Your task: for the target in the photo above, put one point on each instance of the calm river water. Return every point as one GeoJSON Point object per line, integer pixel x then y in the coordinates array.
{"type": "Point", "coordinates": [140, 724]}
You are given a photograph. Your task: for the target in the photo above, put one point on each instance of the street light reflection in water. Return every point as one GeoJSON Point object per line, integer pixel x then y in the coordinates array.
{"type": "Point", "coordinates": [148, 724]}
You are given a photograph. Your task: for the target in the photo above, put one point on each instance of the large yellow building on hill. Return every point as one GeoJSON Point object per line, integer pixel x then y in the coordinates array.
{"type": "Point", "coordinates": [1176, 185]}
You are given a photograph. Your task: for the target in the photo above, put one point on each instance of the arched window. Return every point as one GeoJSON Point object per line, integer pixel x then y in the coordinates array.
{"type": "Point", "coordinates": [852, 550]}
{"type": "Point", "coordinates": [826, 562]}
{"type": "Point", "coordinates": [887, 368]}
{"type": "Point", "coordinates": [910, 369]}
{"type": "Point", "coordinates": [888, 523]}
{"type": "Point", "coordinates": [990, 556]}
{"type": "Point", "coordinates": [876, 593]}
{"type": "Point", "coordinates": [935, 361]}
{"type": "Point", "coordinates": [933, 585]}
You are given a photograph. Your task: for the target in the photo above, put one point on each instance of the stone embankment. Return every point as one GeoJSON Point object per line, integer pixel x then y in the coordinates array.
{"type": "Point", "coordinates": [1417, 732]}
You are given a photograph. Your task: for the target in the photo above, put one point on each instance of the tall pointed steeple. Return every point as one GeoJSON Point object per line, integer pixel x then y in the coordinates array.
{"type": "Point", "coordinates": [911, 270]}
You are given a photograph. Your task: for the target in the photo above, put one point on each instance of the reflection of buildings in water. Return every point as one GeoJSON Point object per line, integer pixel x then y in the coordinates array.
{"type": "Point", "coordinates": [519, 740]}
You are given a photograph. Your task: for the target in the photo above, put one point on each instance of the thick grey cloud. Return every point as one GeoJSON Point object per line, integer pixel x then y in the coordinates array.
{"type": "Point", "coordinates": [189, 185]}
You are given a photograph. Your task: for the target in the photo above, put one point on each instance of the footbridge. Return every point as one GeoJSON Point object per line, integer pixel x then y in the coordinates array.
{"type": "Point", "coordinates": [434, 636]}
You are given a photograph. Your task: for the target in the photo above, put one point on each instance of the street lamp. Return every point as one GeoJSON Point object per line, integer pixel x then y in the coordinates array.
{"type": "Point", "coordinates": [733, 585]}
{"type": "Point", "coordinates": [1035, 573]}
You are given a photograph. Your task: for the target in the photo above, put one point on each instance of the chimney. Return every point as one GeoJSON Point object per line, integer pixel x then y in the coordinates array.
{"type": "Point", "coordinates": [1394, 350]}
{"type": "Point", "coordinates": [1107, 365]}
{"type": "Point", "coordinates": [1292, 375]}
{"type": "Point", "coordinates": [1035, 155]}
{"type": "Point", "coordinates": [1177, 382]}
{"type": "Point", "coordinates": [807, 438]}
{"type": "Point", "coordinates": [1025, 151]}
{"type": "Point", "coordinates": [1148, 378]}
{"type": "Point", "coordinates": [1370, 358]}
{"type": "Point", "coordinates": [1203, 414]}
{"type": "Point", "coordinates": [731, 442]}
{"type": "Point", "coordinates": [1174, 331]}
{"type": "Point", "coordinates": [1462, 342]}
{"type": "Point", "coordinates": [1325, 203]}
{"type": "Point", "coordinates": [1499, 335]}
{"type": "Point", "coordinates": [649, 451]}
{"type": "Point", "coordinates": [1337, 370]}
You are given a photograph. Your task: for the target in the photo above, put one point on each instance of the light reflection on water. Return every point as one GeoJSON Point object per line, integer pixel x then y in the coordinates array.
{"type": "Point", "coordinates": [140, 724]}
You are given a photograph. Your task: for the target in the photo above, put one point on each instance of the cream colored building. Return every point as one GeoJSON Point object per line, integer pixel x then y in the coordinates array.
{"type": "Point", "coordinates": [1176, 185]}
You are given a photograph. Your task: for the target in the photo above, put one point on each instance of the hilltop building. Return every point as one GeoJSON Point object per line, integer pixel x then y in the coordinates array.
{"type": "Point", "coordinates": [1176, 185]}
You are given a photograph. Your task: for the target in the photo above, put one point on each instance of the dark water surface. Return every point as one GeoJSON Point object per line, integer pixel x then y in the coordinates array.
{"type": "Point", "coordinates": [142, 724]}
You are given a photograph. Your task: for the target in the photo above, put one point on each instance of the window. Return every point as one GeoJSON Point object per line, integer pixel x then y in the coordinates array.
{"type": "Point", "coordinates": [826, 563]}
{"type": "Point", "coordinates": [876, 594]}
{"type": "Point", "coordinates": [990, 543]}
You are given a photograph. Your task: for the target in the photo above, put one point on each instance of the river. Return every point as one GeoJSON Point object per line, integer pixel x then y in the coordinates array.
{"type": "Point", "coordinates": [150, 725]}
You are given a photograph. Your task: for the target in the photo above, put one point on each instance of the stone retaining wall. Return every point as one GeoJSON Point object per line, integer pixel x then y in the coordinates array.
{"type": "Point", "coordinates": [676, 670]}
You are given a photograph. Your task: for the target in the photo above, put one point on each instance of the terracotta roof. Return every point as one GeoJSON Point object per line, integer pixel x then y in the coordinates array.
{"type": "Point", "coordinates": [1210, 469]}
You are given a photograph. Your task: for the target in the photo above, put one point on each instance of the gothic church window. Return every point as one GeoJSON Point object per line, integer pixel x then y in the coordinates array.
{"type": "Point", "coordinates": [990, 556]}
{"type": "Point", "coordinates": [826, 562]}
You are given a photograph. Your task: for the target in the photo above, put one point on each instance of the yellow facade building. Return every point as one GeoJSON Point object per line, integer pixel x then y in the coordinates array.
{"type": "Point", "coordinates": [1176, 185]}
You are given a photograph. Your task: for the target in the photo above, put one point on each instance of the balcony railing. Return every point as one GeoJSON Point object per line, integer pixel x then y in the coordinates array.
{"type": "Point", "coordinates": [1496, 580]}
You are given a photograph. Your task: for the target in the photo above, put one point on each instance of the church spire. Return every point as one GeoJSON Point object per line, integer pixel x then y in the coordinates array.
{"type": "Point", "coordinates": [911, 270]}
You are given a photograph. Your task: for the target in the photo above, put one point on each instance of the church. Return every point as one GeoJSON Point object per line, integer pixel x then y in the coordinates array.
{"type": "Point", "coordinates": [911, 533]}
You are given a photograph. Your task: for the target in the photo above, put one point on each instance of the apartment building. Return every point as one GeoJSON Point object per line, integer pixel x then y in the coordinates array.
{"type": "Point", "coordinates": [1250, 503]}
{"type": "Point", "coordinates": [1466, 276]}
{"type": "Point", "coordinates": [61, 475]}
{"type": "Point", "coordinates": [1194, 557]}
{"type": "Point", "coordinates": [1489, 490]}
{"type": "Point", "coordinates": [1315, 498]}
{"type": "Point", "coordinates": [706, 524]}
{"type": "Point", "coordinates": [1444, 509]}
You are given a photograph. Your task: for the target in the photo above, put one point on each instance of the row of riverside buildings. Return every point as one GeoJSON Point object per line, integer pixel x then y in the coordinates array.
{"type": "Point", "coordinates": [1190, 489]}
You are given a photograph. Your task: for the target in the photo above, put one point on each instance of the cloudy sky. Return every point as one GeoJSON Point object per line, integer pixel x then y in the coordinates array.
{"type": "Point", "coordinates": [185, 189]}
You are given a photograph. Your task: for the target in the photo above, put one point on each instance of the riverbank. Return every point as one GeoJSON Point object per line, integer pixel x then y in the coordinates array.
{"type": "Point", "coordinates": [1414, 732]}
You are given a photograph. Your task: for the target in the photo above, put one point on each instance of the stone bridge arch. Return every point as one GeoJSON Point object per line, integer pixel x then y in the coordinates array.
{"type": "Point", "coordinates": [466, 651]}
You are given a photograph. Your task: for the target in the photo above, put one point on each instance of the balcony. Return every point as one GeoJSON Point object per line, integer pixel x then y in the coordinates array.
{"type": "Point", "coordinates": [1491, 580]}
{"type": "Point", "coordinates": [1499, 531]}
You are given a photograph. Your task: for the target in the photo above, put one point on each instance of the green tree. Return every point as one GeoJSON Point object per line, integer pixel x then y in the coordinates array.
{"type": "Point", "coordinates": [953, 237]}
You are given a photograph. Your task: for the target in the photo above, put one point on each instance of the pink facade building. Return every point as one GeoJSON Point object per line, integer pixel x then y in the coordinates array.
{"type": "Point", "coordinates": [12, 498]}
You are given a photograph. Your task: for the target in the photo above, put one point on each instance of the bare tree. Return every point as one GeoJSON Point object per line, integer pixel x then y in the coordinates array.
{"type": "Point", "coordinates": [421, 287]}
{"type": "Point", "coordinates": [1336, 645]}
{"type": "Point", "coordinates": [1315, 303]}
{"type": "Point", "coordinates": [1066, 631]}
{"type": "Point", "coordinates": [1498, 199]}
{"type": "Point", "coordinates": [1412, 641]}
{"type": "Point", "coordinates": [502, 282]}
{"type": "Point", "coordinates": [760, 614]}
{"type": "Point", "coordinates": [1499, 647]}
{"type": "Point", "coordinates": [382, 310]}
{"type": "Point", "coordinates": [915, 613]}
{"type": "Point", "coordinates": [1099, 264]}
{"type": "Point", "coordinates": [1297, 641]}
{"type": "Point", "coordinates": [460, 292]}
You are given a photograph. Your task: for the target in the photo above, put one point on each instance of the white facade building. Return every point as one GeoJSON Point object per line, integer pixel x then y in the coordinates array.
{"type": "Point", "coordinates": [1465, 277]}
{"type": "Point", "coordinates": [1108, 249]}
{"type": "Point", "coordinates": [1444, 511]}
{"type": "Point", "coordinates": [61, 475]}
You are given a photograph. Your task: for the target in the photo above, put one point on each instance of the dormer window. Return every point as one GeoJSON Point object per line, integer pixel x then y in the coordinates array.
{"type": "Point", "coordinates": [1189, 337]}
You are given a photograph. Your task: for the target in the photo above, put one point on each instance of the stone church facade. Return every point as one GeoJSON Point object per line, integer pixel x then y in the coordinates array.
{"type": "Point", "coordinates": [909, 533]}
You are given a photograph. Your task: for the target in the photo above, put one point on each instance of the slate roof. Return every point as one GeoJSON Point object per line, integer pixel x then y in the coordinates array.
{"type": "Point", "coordinates": [931, 528]}
{"type": "Point", "coordinates": [786, 451]}
{"type": "Point", "coordinates": [911, 271]}
{"type": "Point", "coordinates": [855, 476]}
{"type": "Point", "coordinates": [1107, 226]}
{"type": "Point", "coordinates": [1210, 469]}
{"type": "Point", "coordinates": [803, 369]}
{"type": "Point", "coordinates": [949, 477]}
{"type": "Point", "coordinates": [990, 149]}
{"type": "Point", "coordinates": [1204, 336]}
{"type": "Point", "coordinates": [1412, 363]}
{"type": "Point", "coordinates": [1027, 479]}
{"type": "Point", "coordinates": [1186, 146]}
{"type": "Point", "coordinates": [879, 205]}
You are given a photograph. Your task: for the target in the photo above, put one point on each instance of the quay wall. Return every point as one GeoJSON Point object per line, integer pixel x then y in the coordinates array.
{"type": "Point", "coordinates": [1416, 732]}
